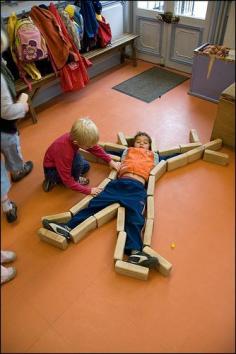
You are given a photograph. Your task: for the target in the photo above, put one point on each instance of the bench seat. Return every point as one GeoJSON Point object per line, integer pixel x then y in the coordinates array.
{"type": "Point", "coordinates": [117, 44]}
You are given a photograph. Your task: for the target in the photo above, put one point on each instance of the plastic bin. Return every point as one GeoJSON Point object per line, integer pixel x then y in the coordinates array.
{"type": "Point", "coordinates": [211, 74]}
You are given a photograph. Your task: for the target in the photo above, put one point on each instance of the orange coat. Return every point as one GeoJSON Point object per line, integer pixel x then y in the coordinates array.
{"type": "Point", "coordinates": [138, 161]}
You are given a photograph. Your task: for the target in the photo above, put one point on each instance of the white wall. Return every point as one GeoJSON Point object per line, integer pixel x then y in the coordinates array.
{"type": "Point", "coordinates": [229, 38]}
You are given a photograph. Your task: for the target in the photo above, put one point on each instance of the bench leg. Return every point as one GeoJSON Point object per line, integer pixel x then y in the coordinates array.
{"type": "Point", "coordinates": [134, 58]}
{"type": "Point", "coordinates": [32, 111]}
{"type": "Point", "coordinates": [122, 55]}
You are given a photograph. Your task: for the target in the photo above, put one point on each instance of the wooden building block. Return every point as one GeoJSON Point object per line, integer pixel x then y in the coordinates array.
{"type": "Point", "coordinates": [147, 237]}
{"type": "Point", "coordinates": [216, 157]}
{"type": "Point", "coordinates": [131, 270]}
{"type": "Point", "coordinates": [106, 214]}
{"type": "Point", "coordinates": [165, 267]}
{"type": "Point", "coordinates": [195, 154]}
{"type": "Point", "coordinates": [114, 158]}
{"type": "Point", "coordinates": [151, 185]}
{"type": "Point", "coordinates": [82, 229]}
{"type": "Point", "coordinates": [159, 169]}
{"type": "Point", "coordinates": [81, 205]}
{"type": "Point", "coordinates": [104, 183]}
{"type": "Point", "coordinates": [52, 238]}
{"type": "Point", "coordinates": [130, 140]}
{"type": "Point", "coordinates": [87, 155]}
{"type": "Point", "coordinates": [113, 174]}
{"type": "Point", "coordinates": [150, 207]}
{"type": "Point", "coordinates": [173, 150]}
{"type": "Point", "coordinates": [176, 162]}
{"type": "Point", "coordinates": [115, 147]}
{"type": "Point", "coordinates": [153, 145]}
{"type": "Point", "coordinates": [193, 136]}
{"type": "Point", "coordinates": [213, 145]}
{"type": "Point", "coordinates": [189, 146]}
{"type": "Point", "coordinates": [120, 246]}
{"type": "Point", "coordinates": [121, 139]}
{"type": "Point", "coordinates": [62, 217]}
{"type": "Point", "coordinates": [120, 224]}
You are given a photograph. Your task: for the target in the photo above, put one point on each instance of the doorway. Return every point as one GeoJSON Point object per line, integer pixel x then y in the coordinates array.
{"type": "Point", "coordinates": [171, 44]}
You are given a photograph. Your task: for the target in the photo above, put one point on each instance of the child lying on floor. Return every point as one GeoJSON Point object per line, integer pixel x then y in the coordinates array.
{"type": "Point", "coordinates": [128, 190]}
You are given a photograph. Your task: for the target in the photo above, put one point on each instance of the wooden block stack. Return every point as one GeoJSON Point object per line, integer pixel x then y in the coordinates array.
{"type": "Point", "coordinates": [52, 238]}
{"type": "Point", "coordinates": [81, 205]}
{"type": "Point", "coordinates": [106, 214]}
{"type": "Point", "coordinates": [60, 218]}
{"type": "Point", "coordinates": [131, 270]}
{"type": "Point", "coordinates": [216, 157]}
{"type": "Point", "coordinates": [159, 169]}
{"type": "Point", "coordinates": [164, 266]}
{"type": "Point", "coordinates": [80, 231]}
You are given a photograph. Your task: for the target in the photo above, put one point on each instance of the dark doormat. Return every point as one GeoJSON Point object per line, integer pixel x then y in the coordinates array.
{"type": "Point", "coordinates": [150, 84]}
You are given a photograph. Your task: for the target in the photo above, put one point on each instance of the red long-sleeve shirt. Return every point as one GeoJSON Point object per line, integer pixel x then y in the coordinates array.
{"type": "Point", "coordinates": [60, 155]}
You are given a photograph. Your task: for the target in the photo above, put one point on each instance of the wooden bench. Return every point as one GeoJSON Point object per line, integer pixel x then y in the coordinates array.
{"type": "Point", "coordinates": [118, 44]}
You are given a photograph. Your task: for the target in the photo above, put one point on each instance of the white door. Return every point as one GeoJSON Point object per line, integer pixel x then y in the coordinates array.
{"type": "Point", "coordinates": [171, 44]}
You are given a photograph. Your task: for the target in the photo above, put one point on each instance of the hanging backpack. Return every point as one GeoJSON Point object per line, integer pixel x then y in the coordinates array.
{"type": "Point", "coordinates": [23, 67]}
{"type": "Point", "coordinates": [29, 43]}
{"type": "Point", "coordinates": [104, 35]}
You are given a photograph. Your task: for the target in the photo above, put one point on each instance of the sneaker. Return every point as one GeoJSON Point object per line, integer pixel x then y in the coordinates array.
{"type": "Point", "coordinates": [11, 215]}
{"type": "Point", "coordinates": [59, 229]}
{"type": "Point", "coordinates": [7, 256]}
{"type": "Point", "coordinates": [143, 259]}
{"type": "Point", "coordinates": [83, 180]}
{"type": "Point", "coordinates": [48, 185]}
{"type": "Point", "coordinates": [28, 166]}
{"type": "Point", "coordinates": [7, 274]}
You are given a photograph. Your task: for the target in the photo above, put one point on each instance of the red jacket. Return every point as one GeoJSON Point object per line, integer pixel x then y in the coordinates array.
{"type": "Point", "coordinates": [60, 155]}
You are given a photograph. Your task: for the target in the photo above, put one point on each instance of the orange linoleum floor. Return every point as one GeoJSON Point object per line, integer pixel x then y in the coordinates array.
{"type": "Point", "coordinates": [73, 301]}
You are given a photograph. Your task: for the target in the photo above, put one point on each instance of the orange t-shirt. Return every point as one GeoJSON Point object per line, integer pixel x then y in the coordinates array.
{"type": "Point", "coordinates": [137, 161]}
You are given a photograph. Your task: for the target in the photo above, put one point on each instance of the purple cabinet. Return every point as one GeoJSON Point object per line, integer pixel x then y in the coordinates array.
{"type": "Point", "coordinates": [210, 75]}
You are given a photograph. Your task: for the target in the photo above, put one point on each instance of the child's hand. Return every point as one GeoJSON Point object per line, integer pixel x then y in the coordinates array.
{"type": "Point", "coordinates": [95, 191]}
{"type": "Point", "coordinates": [115, 165]}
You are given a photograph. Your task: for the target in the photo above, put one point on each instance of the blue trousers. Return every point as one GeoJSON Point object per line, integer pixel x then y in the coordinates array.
{"type": "Point", "coordinates": [79, 167]}
{"type": "Point", "coordinates": [132, 195]}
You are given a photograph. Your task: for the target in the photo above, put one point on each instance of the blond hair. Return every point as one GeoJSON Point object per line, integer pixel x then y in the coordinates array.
{"type": "Point", "coordinates": [85, 132]}
{"type": "Point", "coordinates": [4, 39]}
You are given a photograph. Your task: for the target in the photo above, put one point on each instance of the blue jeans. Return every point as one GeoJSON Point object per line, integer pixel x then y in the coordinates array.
{"type": "Point", "coordinates": [132, 195]}
{"type": "Point", "coordinates": [79, 167]}
{"type": "Point", "coordinates": [10, 148]}
{"type": "Point", "coordinates": [5, 182]}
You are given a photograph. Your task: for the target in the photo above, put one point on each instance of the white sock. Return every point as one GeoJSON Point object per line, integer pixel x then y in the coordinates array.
{"type": "Point", "coordinates": [6, 205]}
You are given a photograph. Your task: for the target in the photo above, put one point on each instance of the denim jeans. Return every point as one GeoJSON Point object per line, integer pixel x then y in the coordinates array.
{"type": "Point", "coordinates": [5, 182]}
{"type": "Point", "coordinates": [10, 148]}
{"type": "Point", "coordinates": [132, 195]}
{"type": "Point", "coordinates": [79, 167]}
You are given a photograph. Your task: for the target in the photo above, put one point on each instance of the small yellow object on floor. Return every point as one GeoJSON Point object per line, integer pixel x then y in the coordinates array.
{"type": "Point", "coordinates": [172, 245]}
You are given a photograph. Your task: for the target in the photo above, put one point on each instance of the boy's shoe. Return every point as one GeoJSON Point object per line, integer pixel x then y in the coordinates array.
{"type": "Point", "coordinates": [7, 274]}
{"type": "Point", "coordinates": [11, 215]}
{"type": "Point", "coordinates": [7, 256]}
{"type": "Point", "coordinates": [83, 180]}
{"type": "Point", "coordinates": [48, 185]}
{"type": "Point", "coordinates": [59, 229]}
{"type": "Point", "coordinates": [143, 259]}
{"type": "Point", "coordinates": [28, 166]}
